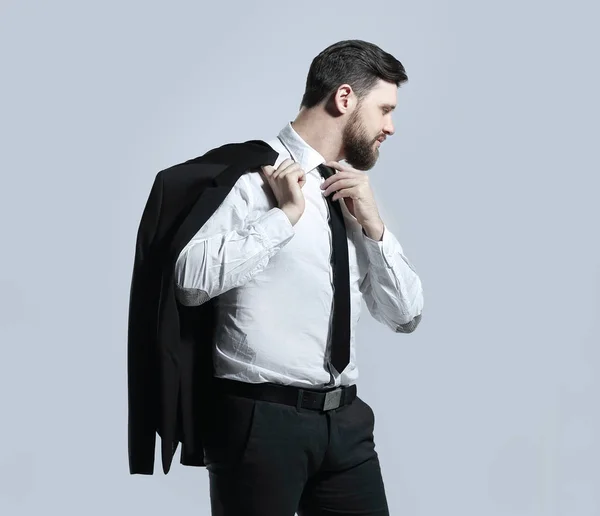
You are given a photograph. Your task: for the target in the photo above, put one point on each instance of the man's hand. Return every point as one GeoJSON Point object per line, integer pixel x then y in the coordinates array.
{"type": "Point", "coordinates": [287, 182]}
{"type": "Point", "coordinates": [353, 186]}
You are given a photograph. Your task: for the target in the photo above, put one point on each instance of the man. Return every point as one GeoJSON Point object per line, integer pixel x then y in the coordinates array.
{"type": "Point", "coordinates": [276, 443]}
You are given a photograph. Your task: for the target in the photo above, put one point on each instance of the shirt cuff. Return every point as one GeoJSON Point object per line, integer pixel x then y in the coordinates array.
{"type": "Point", "coordinates": [381, 252]}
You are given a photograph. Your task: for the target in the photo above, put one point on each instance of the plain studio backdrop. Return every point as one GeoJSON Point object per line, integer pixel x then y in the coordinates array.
{"type": "Point", "coordinates": [490, 184]}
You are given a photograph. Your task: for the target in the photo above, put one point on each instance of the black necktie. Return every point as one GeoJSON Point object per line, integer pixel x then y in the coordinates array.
{"type": "Point", "coordinates": [340, 334]}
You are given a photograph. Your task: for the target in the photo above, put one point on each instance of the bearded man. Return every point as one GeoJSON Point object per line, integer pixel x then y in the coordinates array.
{"type": "Point", "coordinates": [288, 257]}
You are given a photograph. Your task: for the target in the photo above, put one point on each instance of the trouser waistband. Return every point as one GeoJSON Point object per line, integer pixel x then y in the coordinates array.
{"type": "Point", "coordinates": [312, 399]}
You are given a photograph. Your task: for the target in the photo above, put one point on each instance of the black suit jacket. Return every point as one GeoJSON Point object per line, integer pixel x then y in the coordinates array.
{"type": "Point", "coordinates": [169, 362]}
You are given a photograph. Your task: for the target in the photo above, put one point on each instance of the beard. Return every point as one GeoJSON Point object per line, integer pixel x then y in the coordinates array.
{"type": "Point", "coordinates": [359, 149]}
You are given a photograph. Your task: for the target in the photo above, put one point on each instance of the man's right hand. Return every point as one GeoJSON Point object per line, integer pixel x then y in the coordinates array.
{"type": "Point", "coordinates": [286, 182]}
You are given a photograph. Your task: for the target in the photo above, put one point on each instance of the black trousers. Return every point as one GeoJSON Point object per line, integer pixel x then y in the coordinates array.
{"type": "Point", "coordinates": [270, 459]}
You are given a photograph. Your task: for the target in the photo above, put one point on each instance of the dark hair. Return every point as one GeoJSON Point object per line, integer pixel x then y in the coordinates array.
{"type": "Point", "coordinates": [357, 63]}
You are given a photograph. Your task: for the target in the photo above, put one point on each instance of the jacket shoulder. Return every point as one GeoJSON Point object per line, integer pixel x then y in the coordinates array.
{"type": "Point", "coordinates": [249, 152]}
{"type": "Point", "coordinates": [184, 183]}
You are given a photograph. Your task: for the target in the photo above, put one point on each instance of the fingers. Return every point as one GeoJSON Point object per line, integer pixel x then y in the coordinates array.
{"type": "Point", "coordinates": [344, 192]}
{"type": "Point", "coordinates": [344, 179]}
{"type": "Point", "coordinates": [342, 183]}
{"type": "Point", "coordinates": [271, 171]}
{"type": "Point", "coordinates": [268, 170]}
{"type": "Point", "coordinates": [285, 168]}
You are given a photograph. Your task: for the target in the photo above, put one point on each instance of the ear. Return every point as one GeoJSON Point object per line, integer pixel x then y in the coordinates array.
{"type": "Point", "coordinates": [344, 99]}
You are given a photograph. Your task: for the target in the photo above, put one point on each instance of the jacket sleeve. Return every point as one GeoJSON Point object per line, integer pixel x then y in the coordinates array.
{"type": "Point", "coordinates": [391, 288]}
{"type": "Point", "coordinates": [234, 244]}
{"type": "Point", "coordinates": [141, 352]}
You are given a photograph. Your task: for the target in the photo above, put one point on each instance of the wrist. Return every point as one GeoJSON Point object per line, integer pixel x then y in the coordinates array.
{"type": "Point", "coordinates": [292, 214]}
{"type": "Point", "coordinates": [374, 230]}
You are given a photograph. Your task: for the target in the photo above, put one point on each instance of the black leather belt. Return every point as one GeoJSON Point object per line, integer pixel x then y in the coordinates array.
{"type": "Point", "coordinates": [313, 399]}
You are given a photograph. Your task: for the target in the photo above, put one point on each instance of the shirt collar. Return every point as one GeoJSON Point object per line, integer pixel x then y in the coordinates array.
{"type": "Point", "coordinates": [301, 151]}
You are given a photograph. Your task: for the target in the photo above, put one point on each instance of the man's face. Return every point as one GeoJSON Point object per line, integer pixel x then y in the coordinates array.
{"type": "Point", "coordinates": [368, 125]}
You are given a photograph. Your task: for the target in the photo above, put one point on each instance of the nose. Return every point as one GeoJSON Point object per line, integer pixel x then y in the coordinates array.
{"type": "Point", "coordinates": [389, 129]}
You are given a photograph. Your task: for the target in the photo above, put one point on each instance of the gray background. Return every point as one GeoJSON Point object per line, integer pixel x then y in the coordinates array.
{"type": "Point", "coordinates": [490, 184]}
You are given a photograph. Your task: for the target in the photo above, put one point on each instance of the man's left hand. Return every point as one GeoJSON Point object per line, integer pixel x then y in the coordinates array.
{"type": "Point", "coordinates": [353, 186]}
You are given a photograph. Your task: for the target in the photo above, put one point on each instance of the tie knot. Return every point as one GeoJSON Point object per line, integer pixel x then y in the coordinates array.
{"type": "Point", "coordinates": [325, 171]}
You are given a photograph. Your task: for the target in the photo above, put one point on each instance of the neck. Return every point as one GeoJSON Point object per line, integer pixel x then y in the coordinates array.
{"type": "Point", "coordinates": [321, 131]}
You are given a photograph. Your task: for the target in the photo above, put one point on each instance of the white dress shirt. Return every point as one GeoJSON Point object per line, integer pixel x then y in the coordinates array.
{"type": "Point", "coordinates": [273, 282]}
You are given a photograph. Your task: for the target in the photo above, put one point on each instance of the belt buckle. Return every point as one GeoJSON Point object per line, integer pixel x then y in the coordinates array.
{"type": "Point", "coordinates": [333, 399]}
